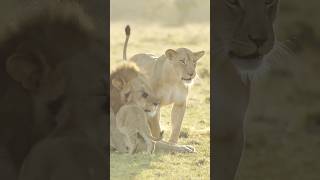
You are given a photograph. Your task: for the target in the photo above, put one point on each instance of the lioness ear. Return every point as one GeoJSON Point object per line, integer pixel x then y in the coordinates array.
{"type": "Point", "coordinates": [25, 69]}
{"type": "Point", "coordinates": [198, 55]}
{"type": "Point", "coordinates": [170, 53]}
{"type": "Point", "coordinates": [118, 83]}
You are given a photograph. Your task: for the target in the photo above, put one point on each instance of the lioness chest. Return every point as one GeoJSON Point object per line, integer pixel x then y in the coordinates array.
{"type": "Point", "coordinates": [172, 93]}
{"type": "Point", "coordinates": [167, 88]}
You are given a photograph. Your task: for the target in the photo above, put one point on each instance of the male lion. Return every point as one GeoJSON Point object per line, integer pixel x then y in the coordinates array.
{"type": "Point", "coordinates": [131, 119]}
{"type": "Point", "coordinates": [170, 75]}
{"type": "Point", "coordinates": [52, 94]}
{"type": "Point", "coordinates": [127, 80]}
{"type": "Point", "coordinates": [242, 36]}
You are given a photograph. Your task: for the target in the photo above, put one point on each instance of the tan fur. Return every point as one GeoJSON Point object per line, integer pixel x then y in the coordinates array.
{"type": "Point", "coordinates": [132, 121]}
{"type": "Point", "coordinates": [170, 76]}
{"type": "Point", "coordinates": [131, 76]}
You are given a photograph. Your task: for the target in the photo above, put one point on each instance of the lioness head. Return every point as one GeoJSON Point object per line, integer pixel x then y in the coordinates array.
{"type": "Point", "coordinates": [243, 30]}
{"type": "Point", "coordinates": [137, 91]}
{"type": "Point", "coordinates": [185, 62]}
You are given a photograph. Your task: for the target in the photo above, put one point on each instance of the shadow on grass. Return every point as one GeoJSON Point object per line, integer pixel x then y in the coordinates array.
{"type": "Point", "coordinates": [129, 166]}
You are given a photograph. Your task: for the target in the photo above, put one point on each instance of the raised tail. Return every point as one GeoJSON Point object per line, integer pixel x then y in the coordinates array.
{"type": "Point", "coordinates": [127, 30]}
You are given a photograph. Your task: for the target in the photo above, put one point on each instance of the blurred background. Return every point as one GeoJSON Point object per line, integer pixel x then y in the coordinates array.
{"type": "Point", "coordinates": [157, 25]}
{"type": "Point", "coordinates": [283, 124]}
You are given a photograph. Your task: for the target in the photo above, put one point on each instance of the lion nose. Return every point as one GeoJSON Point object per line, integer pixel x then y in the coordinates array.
{"type": "Point", "coordinates": [191, 74]}
{"type": "Point", "coordinates": [258, 41]}
{"type": "Point", "coordinates": [156, 104]}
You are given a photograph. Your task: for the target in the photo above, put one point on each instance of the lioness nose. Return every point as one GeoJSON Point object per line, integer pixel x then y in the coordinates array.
{"type": "Point", "coordinates": [258, 41]}
{"type": "Point", "coordinates": [191, 74]}
{"type": "Point", "coordinates": [156, 104]}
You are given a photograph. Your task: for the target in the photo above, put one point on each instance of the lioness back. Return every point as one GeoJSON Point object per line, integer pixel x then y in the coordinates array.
{"type": "Point", "coordinates": [145, 62]}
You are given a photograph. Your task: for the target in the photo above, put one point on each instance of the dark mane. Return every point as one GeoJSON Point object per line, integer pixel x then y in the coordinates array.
{"type": "Point", "coordinates": [43, 28]}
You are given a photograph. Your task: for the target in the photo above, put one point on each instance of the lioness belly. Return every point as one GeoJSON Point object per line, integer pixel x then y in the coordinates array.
{"type": "Point", "coordinates": [169, 95]}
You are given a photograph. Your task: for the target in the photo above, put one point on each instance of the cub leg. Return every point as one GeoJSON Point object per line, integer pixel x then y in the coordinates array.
{"type": "Point", "coordinates": [150, 144]}
{"type": "Point", "coordinates": [177, 115]}
{"type": "Point", "coordinates": [132, 143]}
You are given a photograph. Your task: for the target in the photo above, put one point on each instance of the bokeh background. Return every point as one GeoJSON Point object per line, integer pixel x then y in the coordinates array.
{"type": "Point", "coordinates": [157, 25]}
{"type": "Point", "coordinates": [283, 124]}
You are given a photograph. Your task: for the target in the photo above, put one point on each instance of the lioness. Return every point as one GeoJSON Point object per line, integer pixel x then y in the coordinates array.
{"type": "Point", "coordinates": [127, 78]}
{"type": "Point", "coordinates": [170, 75]}
{"type": "Point", "coordinates": [242, 36]}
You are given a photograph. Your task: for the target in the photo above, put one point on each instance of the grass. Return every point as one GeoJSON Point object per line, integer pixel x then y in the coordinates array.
{"type": "Point", "coordinates": [156, 39]}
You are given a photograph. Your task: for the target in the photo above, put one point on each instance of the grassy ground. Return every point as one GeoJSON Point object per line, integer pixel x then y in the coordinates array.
{"type": "Point", "coordinates": [156, 39]}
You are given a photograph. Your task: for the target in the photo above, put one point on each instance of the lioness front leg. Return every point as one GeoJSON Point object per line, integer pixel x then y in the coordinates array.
{"type": "Point", "coordinates": [154, 123]}
{"type": "Point", "coordinates": [177, 115]}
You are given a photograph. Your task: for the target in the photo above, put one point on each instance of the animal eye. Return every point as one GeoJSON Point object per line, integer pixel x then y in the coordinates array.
{"type": "Point", "coordinates": [145, 95]}
{"type": "Point", "coordinates": [234, 2]}
{"type": "Point", "coordinates": [269, 2]}
{"type": "Point", "coordinates": [182, 61]}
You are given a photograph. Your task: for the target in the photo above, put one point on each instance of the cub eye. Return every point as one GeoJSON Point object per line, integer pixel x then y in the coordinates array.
{"type": "Point", "coordinates": [182, 61]}
{"type": "Point", "coordinates": [234, 2]}
{"type": "Point", "coordinates": [145, 95]}
{"type": "Point", "coordinates": [269, 2]}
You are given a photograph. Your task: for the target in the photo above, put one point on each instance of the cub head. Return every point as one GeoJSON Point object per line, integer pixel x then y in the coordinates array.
{"type": "Point", "coordinates": [137, 91]}
{"type": "Point", "coordinates": [244, 30]}
{"type": "Point", "coordinates": [184, 62]}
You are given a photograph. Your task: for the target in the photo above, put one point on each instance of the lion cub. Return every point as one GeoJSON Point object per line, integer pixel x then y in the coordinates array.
{"type": "Point", "coordinates": [132, 117]}
{"type": "Point", "coordinates": [132, 121]}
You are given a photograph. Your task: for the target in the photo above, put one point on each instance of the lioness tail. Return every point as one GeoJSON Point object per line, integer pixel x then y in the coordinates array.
{"type": "Point", "coordinates": [127, 30]}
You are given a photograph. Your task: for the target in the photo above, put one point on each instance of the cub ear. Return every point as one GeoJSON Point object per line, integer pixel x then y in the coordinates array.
{"type": "Point", "coordinates": [170, 53]}
{"type": "Point", "coordinates": [118, 83]}
{"type": "Point", "coordinates": [198, 55]}
{"type": "Point", "coordinates": [25, 69]}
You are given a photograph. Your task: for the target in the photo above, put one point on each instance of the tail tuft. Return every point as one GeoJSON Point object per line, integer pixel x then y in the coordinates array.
{"type": "Point", "coordinates": [127, 30]}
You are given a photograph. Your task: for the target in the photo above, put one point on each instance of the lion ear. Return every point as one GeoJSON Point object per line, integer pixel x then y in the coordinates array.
{"type": "Point", "coordinates": [25, 69]}
{"type": "Point", "coordinates": [170, 53]}
{"type": "Point", "coordinates": [118, 83]}
{"type": "Point", "coordinates": [198, 55]}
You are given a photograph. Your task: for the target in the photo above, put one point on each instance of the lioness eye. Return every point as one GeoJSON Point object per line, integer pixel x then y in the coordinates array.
{"type": "Point", "coordinates": [182, 61]}
{"type": "Point", "coordinates": [268, 2]}
{"type": "Point", "coordinates": [145, 95]}
{"type": "Point", "coordinates": [234, 2]}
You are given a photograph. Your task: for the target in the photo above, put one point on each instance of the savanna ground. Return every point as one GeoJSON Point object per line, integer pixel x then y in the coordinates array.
{"type": "Point", "coordinates": [156, 39]}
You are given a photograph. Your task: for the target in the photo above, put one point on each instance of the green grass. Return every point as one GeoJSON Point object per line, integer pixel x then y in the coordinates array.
{"type": "Point", "coordinates": [156, 39]}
